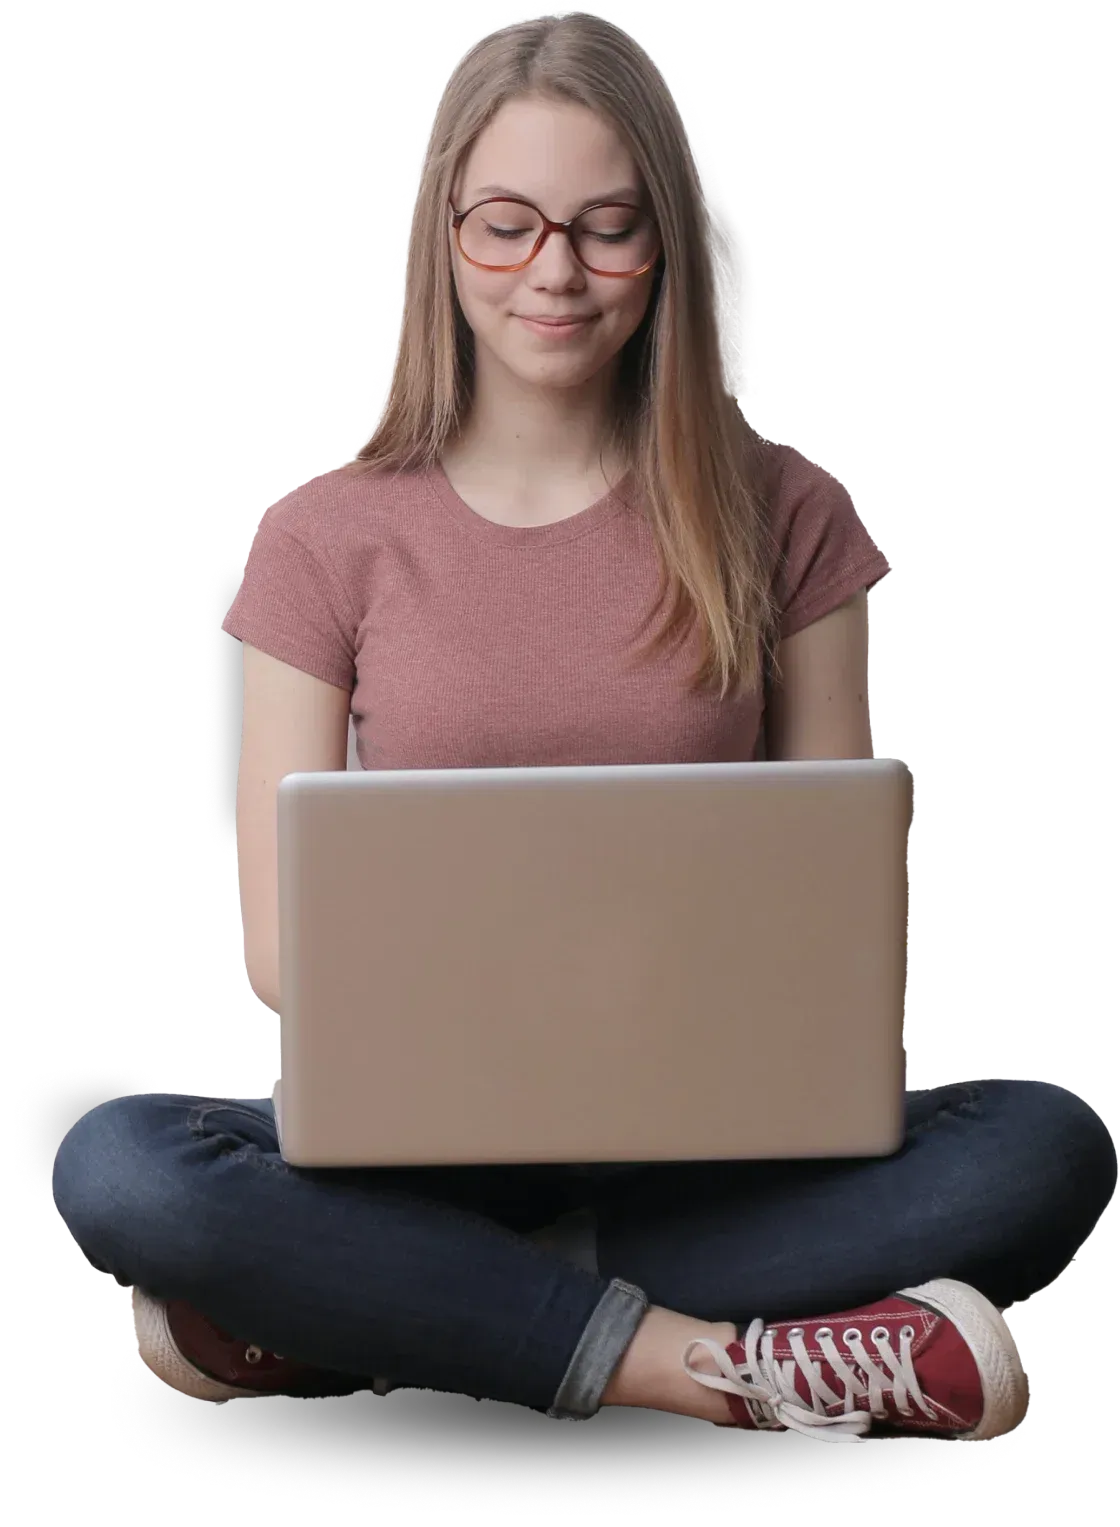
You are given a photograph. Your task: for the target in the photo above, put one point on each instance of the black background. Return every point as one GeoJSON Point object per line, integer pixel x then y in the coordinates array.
{"type": "Point", "coordinates": [926, 197]}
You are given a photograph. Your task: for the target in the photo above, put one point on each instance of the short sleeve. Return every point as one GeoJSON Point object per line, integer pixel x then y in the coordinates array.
{"type": "Point", "coordinates": [826, 553]}
{"type": "Point", "coordinates": [292, 606]}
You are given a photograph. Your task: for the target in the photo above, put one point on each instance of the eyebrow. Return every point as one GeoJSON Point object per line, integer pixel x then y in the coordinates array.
{"type": "Point", "coordinates": [620, 193]}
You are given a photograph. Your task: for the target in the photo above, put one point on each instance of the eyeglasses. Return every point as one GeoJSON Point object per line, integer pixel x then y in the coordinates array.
{"type": "Point", "coordinates": [613, 238]}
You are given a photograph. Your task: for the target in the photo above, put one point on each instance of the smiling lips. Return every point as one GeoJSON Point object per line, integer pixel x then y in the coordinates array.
{"type": "Point", "coordinates": [558, 328]}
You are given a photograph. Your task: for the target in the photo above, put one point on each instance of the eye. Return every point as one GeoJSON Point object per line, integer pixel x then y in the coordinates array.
{"type": "Point", "coordinates": [504, 233]}
{"type": "Point", "coordinates": [606, 228]}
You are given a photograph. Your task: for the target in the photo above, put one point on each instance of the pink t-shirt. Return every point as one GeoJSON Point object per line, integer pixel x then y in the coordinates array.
{"type": "Point", "coordinates": [468, 644]}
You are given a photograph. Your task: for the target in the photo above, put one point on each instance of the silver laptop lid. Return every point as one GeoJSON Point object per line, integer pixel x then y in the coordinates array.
{"type": "Point", "coordinates": [647, 962]}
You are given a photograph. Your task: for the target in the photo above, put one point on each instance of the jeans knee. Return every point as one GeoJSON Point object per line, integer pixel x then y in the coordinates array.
{"type": "Point", "coordinates": [102, 1180]}
{"type": "Point", "coordinates": [1082, 1123]}
{"type": "Point", "coordinates": [75, 1178]}
{"type": "Point", "coordinates": [1079, 1139]}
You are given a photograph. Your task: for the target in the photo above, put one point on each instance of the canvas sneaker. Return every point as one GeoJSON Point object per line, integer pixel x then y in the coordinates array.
{"type": "Point", "coordinates": [188, 1351]}
{"type": "Point", "coordinates": [936, 1360]}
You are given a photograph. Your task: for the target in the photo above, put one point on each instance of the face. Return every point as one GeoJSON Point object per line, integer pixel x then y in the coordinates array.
{"type": "Point", "coordinates": [562, 158]}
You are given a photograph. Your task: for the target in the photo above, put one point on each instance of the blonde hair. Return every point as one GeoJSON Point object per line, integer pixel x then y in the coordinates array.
{"type": "Point", "coordinates": [698, 464]}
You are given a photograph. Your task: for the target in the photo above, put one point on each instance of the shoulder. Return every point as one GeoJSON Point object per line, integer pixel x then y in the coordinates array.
{"type": "Point", "coordinates": [808, 508]}
{"type": "Point", "coordinates": [824, 552]}
{"type": "Point", "coordinates": [324, 511]}
{"type": "Point", "coordinates": [796, 485]}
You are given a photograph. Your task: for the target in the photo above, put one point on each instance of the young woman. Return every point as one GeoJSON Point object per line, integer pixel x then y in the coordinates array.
{"type": "Point", "coordinates": [559, 460]}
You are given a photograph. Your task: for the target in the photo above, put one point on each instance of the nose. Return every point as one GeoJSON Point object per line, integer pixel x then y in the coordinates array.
{"type": "Point", "coordinates": [556, 255]}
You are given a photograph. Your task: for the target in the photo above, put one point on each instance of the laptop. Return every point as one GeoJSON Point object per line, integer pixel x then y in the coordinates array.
{"type": "Point", "coordinates": [615, 963]}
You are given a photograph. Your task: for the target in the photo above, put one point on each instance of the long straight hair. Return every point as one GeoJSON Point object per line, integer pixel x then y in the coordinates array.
{"type": "Point", "coordinates": [698, 466]}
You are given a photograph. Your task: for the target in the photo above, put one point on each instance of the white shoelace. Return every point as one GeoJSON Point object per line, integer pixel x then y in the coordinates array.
{"type": "Point", "coordinates": [769, 1392]}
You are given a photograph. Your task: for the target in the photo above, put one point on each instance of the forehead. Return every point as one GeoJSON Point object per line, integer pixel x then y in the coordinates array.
{"type": "Point", "coordinates": [560, 156]}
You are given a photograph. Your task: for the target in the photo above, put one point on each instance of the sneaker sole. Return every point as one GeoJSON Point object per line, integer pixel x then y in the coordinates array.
{"type": "Point", "coordinates": [162, 1356]}
{"type": "Point", "coordinates": [1003, 1382]}
{"type": "Point", "coordinates": [156, 1349]}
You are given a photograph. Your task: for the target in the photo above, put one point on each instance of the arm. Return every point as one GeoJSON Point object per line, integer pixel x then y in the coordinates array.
{"type": "Point", "coordinates": [292, 723]}
{"type": "Point", "coordinates": [817, 707]}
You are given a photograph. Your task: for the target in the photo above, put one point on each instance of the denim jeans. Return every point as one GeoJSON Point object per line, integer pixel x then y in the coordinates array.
{"type": "Point", "coordinates": [425, 1277]}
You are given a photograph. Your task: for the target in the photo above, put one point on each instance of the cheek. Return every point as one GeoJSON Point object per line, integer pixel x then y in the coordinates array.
{"type": "Point", "coordinates": [476, 297]}
{"type": "Point", "coordinates": [484, 300]}
{"type": "Point", "coordinates": [628, 315]}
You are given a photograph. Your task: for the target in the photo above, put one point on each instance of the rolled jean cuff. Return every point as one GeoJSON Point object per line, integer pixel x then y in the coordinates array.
{"type": "Point", "coordinates": [605, 1338]}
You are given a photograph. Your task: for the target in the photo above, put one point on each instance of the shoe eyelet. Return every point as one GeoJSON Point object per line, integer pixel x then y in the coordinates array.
{"type": "Point", "coordinates": [880, 1333]}
{"type": "Point", "coordinates": [852, 1333]}
{"type": "Point", "coordinates": [822, 1331]}
{"type": "Point", "coordinates": [908, 1331]}
{"type": "Point", "coordinates": [253, 1354]}
{"type": "Point", "coordinates": [796, 1331]}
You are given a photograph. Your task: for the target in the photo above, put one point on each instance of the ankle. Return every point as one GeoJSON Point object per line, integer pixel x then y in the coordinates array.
{"type": "Point", "coordinates": [651, 1374]}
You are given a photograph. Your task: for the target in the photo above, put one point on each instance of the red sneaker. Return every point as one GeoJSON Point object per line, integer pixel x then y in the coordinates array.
{"type": "Point", "coordinates": [188, 1351]}
{"type": "Point", "coordinates": [936, 1360]}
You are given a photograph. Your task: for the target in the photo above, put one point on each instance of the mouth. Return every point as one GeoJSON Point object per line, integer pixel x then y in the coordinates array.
{"type": "Point", "coordinates": [557, 328]}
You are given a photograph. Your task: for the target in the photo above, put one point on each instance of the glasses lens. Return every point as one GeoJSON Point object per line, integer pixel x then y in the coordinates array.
{"type": "Point", "coordinates": [613, 240]}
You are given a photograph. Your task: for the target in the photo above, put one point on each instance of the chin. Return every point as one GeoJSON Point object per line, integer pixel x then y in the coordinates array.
{"type": "Point", "coordinates": [553, 377]}
{"type": "Point", "coordinates": [569, 373]}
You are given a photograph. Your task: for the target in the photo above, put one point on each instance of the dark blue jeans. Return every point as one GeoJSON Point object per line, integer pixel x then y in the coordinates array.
{"type": "Point", "coordinates": [424, 1276]}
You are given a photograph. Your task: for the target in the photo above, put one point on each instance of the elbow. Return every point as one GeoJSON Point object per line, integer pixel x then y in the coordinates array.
{"type": "Point", "coordinates": [264, 981]}
{"type": "Point", "coordinates": [260, 962]}
{"type": "Point", "coordinates": [268, 995]}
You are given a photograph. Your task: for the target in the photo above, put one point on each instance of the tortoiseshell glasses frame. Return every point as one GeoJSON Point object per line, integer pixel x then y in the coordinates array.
{"type": "Point", "coordinates": [458, 218]}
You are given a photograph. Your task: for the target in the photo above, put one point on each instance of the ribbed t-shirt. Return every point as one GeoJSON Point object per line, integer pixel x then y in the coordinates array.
{"type": "Point", "coordinates": [465, 643]}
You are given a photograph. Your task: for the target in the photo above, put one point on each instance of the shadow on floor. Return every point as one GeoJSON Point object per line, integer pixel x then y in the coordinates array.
{"type": "Point", "coordinates": [420, 1451]}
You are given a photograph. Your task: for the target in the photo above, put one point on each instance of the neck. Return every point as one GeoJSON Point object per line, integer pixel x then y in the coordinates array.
{"type": "Point", "coordinates": [524, 434]}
